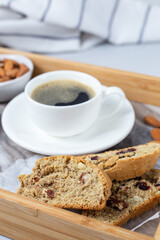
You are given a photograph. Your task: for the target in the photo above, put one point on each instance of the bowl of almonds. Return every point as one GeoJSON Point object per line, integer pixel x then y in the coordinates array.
{"type": "Point", "coordinates": [15, 72]}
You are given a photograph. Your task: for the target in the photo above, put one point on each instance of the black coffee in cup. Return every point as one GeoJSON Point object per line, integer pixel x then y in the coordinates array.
{"type": "Point", "coordinates": [62, 93]}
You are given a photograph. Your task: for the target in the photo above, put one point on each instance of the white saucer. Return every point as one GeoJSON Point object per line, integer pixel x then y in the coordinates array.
{"type": "Point", "coordinates": [105, 133]}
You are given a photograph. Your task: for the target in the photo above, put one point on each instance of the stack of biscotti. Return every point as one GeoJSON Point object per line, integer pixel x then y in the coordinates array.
{"type": "Point", "coordinates": [129, 199]}
{"type": "Point", "coordinates": [67, 182]}
{"type": "Point", "coordinates": [136, 187]}
{"type": "Point", "coordinates": [76, 182]}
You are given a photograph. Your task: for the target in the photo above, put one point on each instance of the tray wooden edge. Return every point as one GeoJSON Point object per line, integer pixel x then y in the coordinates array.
{"type": "Point", "coordinates": [22, 216]}
{"type": "Point", "coordinates": [138, 87]}
{"type": "Point", "coordinates": [157, 233]}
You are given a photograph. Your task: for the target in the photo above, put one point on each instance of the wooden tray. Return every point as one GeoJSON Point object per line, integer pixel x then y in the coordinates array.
{"type": "Point", "coordinates": [21, 218]}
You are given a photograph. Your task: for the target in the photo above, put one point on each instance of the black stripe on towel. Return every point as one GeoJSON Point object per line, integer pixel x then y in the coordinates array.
{"type": "Point", "coordinates": [81, 13]}
{"type": "Point", "coordinates": [36, 36]}
{"type": "Point", "coordinates": [113, 14]}
{"type": "Point", "coordinates": [145, 20]}
{"type": "Point", "coordinates": [46, 10]}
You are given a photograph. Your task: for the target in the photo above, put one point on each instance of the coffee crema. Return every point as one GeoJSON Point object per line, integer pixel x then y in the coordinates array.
{"type": "Point", "coordinates": [62, 93]}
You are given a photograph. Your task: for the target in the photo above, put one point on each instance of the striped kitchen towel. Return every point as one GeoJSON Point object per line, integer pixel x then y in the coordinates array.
{"type": "Point", "coordinates": [70, 25]}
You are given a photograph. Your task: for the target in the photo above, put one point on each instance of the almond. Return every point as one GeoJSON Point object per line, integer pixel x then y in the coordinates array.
{"type": "Point", "coordinates": [10, 64]}
{"type": "Point", "coordinates": [5, 78]}
{"type": "Point", "coordinates": [12, 73]}
{"type": "Point", "coordinates": [22, 70]}
{"type": "Point", "coordinates": [100, 165]}
{"type": "Point", "coordinates": [155, 133]}
{"type": "Point", "coordinates": [2, 72]}
{"type": "Point", "coordinates": [152, 121]}
{"type": "Point", "coordinates": [111, 162]}
{"type": "Point", "coordinates": [1, 64]}
{"type": "Point", "coordinates": [10, 69]}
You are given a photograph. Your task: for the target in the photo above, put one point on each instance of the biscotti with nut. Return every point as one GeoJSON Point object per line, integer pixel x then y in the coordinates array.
{"type": "Point", "coordinates": [129, 199]}
{"type": "Point", "coordinates": [127, 163]}
{"type": "Point", "coordinates": [67, 182]}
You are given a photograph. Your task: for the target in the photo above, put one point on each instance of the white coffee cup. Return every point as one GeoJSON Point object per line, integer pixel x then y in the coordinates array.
{"type": "Point", "coordinates": [65, 121]}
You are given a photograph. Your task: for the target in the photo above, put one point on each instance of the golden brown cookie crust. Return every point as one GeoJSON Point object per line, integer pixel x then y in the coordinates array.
{"type": "Point", "coordinates": [130, 166]}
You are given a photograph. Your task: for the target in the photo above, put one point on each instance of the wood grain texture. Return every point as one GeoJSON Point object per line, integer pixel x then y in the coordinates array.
{"type": "Point", "coordinates": [21, 218]}
{"type": "Point", "coordinates": [138, 87]}
{"type": "Point", "coordinates": [157, 233]}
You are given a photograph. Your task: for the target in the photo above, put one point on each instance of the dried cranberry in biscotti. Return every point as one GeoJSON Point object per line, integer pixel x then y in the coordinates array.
{"type": "Point", "coordinates": [36, 179]}
{"type": "Point", "coordinates": [50, 193]}
{"type": "Point", "coordinates": [126, 151]}
{"type": "Point", "coordinates": [94, 158]}
{"type": "Point", "coordinates": [116, 204]}
{"type": "Point", "coordinates": [68, 169]}
{"type": "Point", "coordinates": [82, 177]}
{"type": "Point", "coordinates": [157, 184]}
{"type": "Point", "coordinates": [142, 186]}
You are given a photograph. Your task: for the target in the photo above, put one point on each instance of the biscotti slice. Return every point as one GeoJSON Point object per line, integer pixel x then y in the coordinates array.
{"type": "Point", "coordinates": [129, 199]}
{"type": "Point", "coordinates": [127, 163]}
{"type": "Point", "coordinates": [68, 182]}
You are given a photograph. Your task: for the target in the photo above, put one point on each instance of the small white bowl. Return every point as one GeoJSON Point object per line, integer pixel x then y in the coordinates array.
{"type": "Point", "coordinates": [11, 88]}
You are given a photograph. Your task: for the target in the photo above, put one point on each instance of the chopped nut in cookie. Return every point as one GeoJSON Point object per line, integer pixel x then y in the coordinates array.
{"type": "Point", "coordinates": [85, 177]}
{"type": "Point", "coordinates": [81, 166]}
{"type": "Point", "coordinates": [111, 162]}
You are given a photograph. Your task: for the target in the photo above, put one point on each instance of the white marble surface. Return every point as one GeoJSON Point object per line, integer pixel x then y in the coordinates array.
{"type": "Point", "coordinates": [142, 59]}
